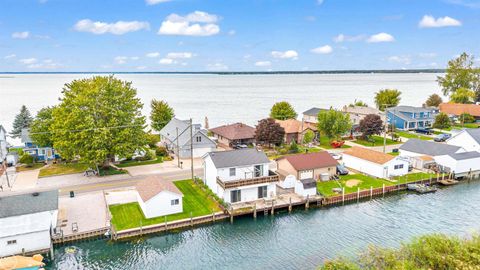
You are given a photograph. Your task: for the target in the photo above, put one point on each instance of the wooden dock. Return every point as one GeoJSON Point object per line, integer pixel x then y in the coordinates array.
{"type": "Point", "coordinates": [62, 239]}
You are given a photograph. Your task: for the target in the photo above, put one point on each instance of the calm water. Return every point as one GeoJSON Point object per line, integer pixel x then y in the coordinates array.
{"type": "Point", "coordinates": [301, 240]}
{"type": "Point", "coordinates": [224, 98]}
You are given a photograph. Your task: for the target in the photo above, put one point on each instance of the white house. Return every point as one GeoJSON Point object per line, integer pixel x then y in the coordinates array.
{"type": "Point", "coordinates": [27, 222]}
{"type": "Point", "coordinates": [176, 137]}
{"type": "Point", "coordinates": [461, 164]}
{"type": "Point", "coordinates": [417, 147]}
{"type": "Point", "coordinates": [306, 187]}
{"type": "Point", "coordinates": [3, 144]}
{"type": "Point", "coordinates": [375, 163]}
{"type": "Point", "coordinates": [158, 197]}
{"type": "Point", "coordinates": [239, 175]}
{"type": "Point", "coordinates": [469, 139]}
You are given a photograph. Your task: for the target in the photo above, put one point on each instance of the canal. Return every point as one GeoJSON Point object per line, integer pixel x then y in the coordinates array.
{"type": "Point", "coordinates": [300, 240]}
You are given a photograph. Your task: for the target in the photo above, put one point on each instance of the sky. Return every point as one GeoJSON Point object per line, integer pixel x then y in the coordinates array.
{"type": "Point", "coordinates": [234, 35]}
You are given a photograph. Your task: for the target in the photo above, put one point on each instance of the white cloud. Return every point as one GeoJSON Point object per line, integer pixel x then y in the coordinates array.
{"type": "Point", "coordinates": [427, 55]}
{"type": "Point", "coordinates": [344, 38]}
{"type": "Point", "coordinates": [323, 49]}
{"type": "Point", "coordinates": [197, 23]}
{"type": "Point", "coordinates": [429, 21]}
{"type": "Point", "coordinates": [28, 61]}
{"type": "Point", "coordinates": [117, 28]}
{"type": "Point", "coordinates": [466, 3]}
{"type": "Point", "coordinates": [400, 59]}
{"type": "Point", "coordinates": [179, 55]}
{"type": "Point", "coordinates": [217, 67]}
{"type": "Point", "coordinates": [166, 61]}
{"type": "Point", "coordinates": [290, 54]}
{"type": "Point", "coordinates": [141, 67]}
{"type": "Point", "coordinates": [263, 63]}
{"type": "Point", "coordinates": [123, 59]}
{"type": "Point", "coordinates": [21, 35]}
{"type": "Point", "coordinates": [153, 54]}
{"type": "Point", "coordinates": [154, 2]}
{"type": "Point", "coordinates": [380, 37]}
{"type": "Point", "coordinates": [10, 56]}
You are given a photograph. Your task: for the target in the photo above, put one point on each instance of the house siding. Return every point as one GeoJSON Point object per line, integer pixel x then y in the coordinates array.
{"type": "Point", "coordinates": [160, 205]}
{"type": "Point", "coordinates": [465, 140]}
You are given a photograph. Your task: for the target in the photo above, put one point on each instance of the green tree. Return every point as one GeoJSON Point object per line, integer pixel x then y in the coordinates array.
{"type": "Point", "coordinates": [433, 100]}
{"type": "Point", "coordinates": [161, 114]}
{"type": "Point", "coordinates": [387, 98]}
{"type": "Point", "coordinates": [308, 136]}
{"type": "Point", "coordinates": [40, 129]}
{"type": "Point", "coordinates": [283, 111]}
{"type": "Point", "coordinates": [152, 140]}
{"type": "Point", "coordinates": [442, 121]}
{"type": "Point", "coordinates": [358, 103]}
{"type": "Point", "coordinates": [22, 120]}
{"type": "Point", "coordinates": [461, 73]}
{"type": "Point", "coordinates": [269, 132]}
{"type": "Point", "coordinates": [333, 124]}
{"type": "Point", "coordinates": [463, 95]}
{"type": "Point", "coordinates": [293, 148]}
{"type": "Point", "coordinates": [98, 118]}
{"type": "Point", "coordinates": [370, 125]}
{"type": "Point", "coordinates": [466, 118]}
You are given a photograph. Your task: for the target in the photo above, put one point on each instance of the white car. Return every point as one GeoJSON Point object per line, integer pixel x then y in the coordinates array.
{"type": "Point", "coordinates": [335, 155]}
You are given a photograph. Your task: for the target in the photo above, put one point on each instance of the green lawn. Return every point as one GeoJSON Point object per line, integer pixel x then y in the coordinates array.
{"type": "Point", "coordinates": [325, 143]}
{"type": "Point", "coordinates": [195, 201]}
{"type": "Point", "coordinates": [130, 163]}
{"type": "Point", "coordinates": [325, 188]}
{"type": "Point", "coordinates": [110, 171]}
{"type": "Point", "coordinates": [378, 141]}
{"type": "Point", "coordinates": [63, 168]}
{"type": "Point", "coordinates": [394, 153]}
{"type": "Point", "coordinates": [301, 150]}
{"type": "Point", "coordinates": [29, 168]}
{"type": "Point", "coordinates": [412, 177]}
{"type": "Point", "coordinates": [410, 135]}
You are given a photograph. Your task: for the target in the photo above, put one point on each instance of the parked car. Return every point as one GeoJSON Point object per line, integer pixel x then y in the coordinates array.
{"type": "Point", "coordinates": [335, 155]}
{"type": "Point", "coordinates": [442, 137]}
{"type": "Point", "coordinates": [240, 146]}
{"type": "Point", "coordinates": [425, 131]}
{"type": "Point", "coordinates": [341, 169]}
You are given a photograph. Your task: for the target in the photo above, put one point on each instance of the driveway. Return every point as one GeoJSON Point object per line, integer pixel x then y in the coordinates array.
{"type": "Point", "coordinates": [26, 180]}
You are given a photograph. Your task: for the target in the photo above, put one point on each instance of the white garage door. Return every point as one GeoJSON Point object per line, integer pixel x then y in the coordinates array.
{"type": "Point", "coordinates": [199, 152]}
{"type": "Point", "coordinates": [306, 174]}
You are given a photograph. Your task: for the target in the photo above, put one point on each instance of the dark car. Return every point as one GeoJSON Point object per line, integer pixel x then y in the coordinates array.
{"type": "Point", "coordinates": [442, 137]}
{"type": "Point", "coordinates": [341, 170]}
{"type": "Point", "coordinates": [425, 131]}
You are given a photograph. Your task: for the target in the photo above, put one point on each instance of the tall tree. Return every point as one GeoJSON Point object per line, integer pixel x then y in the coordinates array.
{"type": "Point", "coordinates": [370, 125]}
{"type": "Point", "coordinates": [387, 98]}
{"type": "Point", "coordinates": [283, 111]}
{"type": "Point", "coordinates": [40, 131]}
{"type": "Point", "coordinates": [442, 121]}
{"type": "Point", "coordinates": [22, 120]}
{"type": "Point", "coordinates": [269, 132]}
{"type": "Point", "coordinates": [463, 95]}
{"type": "Point", "coordinates": [358, 103]}
{"type": "Point", "coordinates": [161, 114]}
{"type": "Point", "coordinates": [98, 118]}
{"type": "Point", "coordinates": [433, 100]}
{"type": "Point", "coordinates": [333, 124]}
{"type": "Point", "coordinates": [461, 73]}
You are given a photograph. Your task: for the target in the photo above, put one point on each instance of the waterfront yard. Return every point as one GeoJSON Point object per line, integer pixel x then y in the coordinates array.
{"type": "Point", "coordinates": [63, 168]}
{"type": "Point", "coordinates": [131, 163]}
{"type": "Point", "coordinates": [375, 141]}
{"type": "Point", "coordinates": [410, 135]}
{"type": "Point", "coordinates": [351, 183]}
{"type": "Point", "coordinates": [412, 177]}
{"type": "Point", "coordinates": [196, 202]}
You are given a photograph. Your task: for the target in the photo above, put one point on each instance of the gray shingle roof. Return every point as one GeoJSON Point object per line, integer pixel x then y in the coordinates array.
{"type": "Point", "coordinates": [475, 133]}
{"type": "Point", "coordinates": [409, 109]}
{"type": "Point", "coordinates": [170, 131]}
{"type": "Point", "coordinates": [235, 158]}
{"type": "Point", "coordinates": [28, 203]}
{"type": "Point", "coordinates": [465, 155]}
{"type": "Point", "coordinates": [313, 111]}
{"type": "Point", "coordinates": [429, 148]}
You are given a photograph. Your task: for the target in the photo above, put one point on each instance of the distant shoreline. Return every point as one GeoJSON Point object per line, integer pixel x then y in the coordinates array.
{"type": "Point", "coordinates": [379, 71]}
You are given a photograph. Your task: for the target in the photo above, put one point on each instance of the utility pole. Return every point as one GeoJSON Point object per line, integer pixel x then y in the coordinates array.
{"type": "Point", "coordinates": [191, 149]}
{"type": "Point", "coordinates": [178, 150]}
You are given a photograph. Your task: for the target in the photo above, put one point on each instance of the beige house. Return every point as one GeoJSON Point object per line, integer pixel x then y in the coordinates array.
{"type": "Point", "coordinates": [307, 166]}
{"type": "Point", "coordinates": [357, 113]}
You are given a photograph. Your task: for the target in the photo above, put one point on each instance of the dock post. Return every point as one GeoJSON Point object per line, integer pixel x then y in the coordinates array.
{"type": "Point", "coordinates": [213, 216]}
{"type": "Point", "coordinates": [371, 192]}
{"type": "Point", "coordinates": [273, 207]}
{"type": "Point", "coordinates": [307, 202]}
{"type": "Point", "coordinates": [51, 252]}
{"type": "Point", "coordinates": [165, 223]}
{"type": "Point", "coordinates": [358, 194]}
{"type": "Point", "coordinates": [141, 227]}
{"type": "Point", "coordinates": [231, 214]}
{"type": "Point", "coordinates": [290, 205]}
{"type": "Point", "coordinates": [383, 189]}
{"type": "Point", "coordinates": [343, 195]}
{"type": "Point", "coordinates": [255, 210]}
{"type": "Point", "coordinates": [191, 219]}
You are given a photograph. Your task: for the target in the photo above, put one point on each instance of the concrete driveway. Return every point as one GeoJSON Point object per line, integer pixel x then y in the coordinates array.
{"type": "Point", "coordinates": [25, 180]}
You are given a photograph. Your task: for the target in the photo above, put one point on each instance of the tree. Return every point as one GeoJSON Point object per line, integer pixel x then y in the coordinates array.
{"type": "Point", "coordinates": [269, 132]}
{"type": "Point", "coordinates": [358, 103]}
{"type": "Point", "coordinates": [333, 124]}
{"type": "Point", "coordinates": [387, 98]}
{"type": "Point", "coordinates": [466, 118]}
{"type": "Point", "coordinates": [22, 120]}
{"type": "Point", "coordinates": [308, 136]}
{"type": "Point", "coordinates": [282, 111]}
{"type": "Point", "coordinates": [41, 127]}
{"type": "Point", "coordinates": [433, 100]}
{"type": "Point", "coordinates": [161, 114]}
{"type": "Point", "coordinates": [462, 95]}
{"type": "Point", "coordinates": [152, 140]}
{"type": "Point", "coordinates": [442, 121]}
{"type": "Point", "coordinates": [461, 73]}
{"type": "Point", "coordinates": [370, 125]}
{"type": "Point", "coordinates": [98, 118]}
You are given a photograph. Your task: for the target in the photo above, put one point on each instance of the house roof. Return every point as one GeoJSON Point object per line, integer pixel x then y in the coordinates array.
{"type": "Point", "coordinates": [310, 161]}
{"type": "Point", "coordinates": [294, 126]}
{"type": "Point", "coordinates": [313, 111]}
{"type": "Point", "coordinates": [237, 131]}
{"type": "Point", "coordinates": [475, 133]}
{"type": "Point", "coordinates": [236, 158]}
{"type": "Point", "coordinates": [465, 155]}
{"type": "Point", "coordinates": [429, 148]}
{"type": "Point", "coordinates": [361, 110]}
{"type": "Point", "coordinates": [152, 185]}
{"type": "Point", "coordinates": [29, 203]}
{"type": "Point", "coordinates": [412, 109]}
{"type": "Point", "coordinates": [2, 128]}
{"type": "Point", "coordinates": [25, 135]}
{"type": "Point", "coordinates": [368, 154]}
{"type": "Point", "coordinates": [170, 131]}
{"type": "Point", "coordinates": [309, 183]}
{"type": "Point", "coordinates": [458, 109]}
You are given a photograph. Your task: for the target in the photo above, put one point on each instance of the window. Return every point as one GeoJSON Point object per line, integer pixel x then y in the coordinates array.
{"type": "Point", "coordinates": [258, 170]}
{"type": "Point", "coordinates": [11, 242]}
{"type": "Point", "coordinates": [235, 196]}
{"type": "Point", "coordinates": [198, 139]}
{"type": "Point", "coordinates": [175, 202]}
{"type": "Point", "coordinates": [398, 167]}
{"type": "Point", "coordinates": [262, 192]}
{"type": "Point", "coordinates": [233, 171]}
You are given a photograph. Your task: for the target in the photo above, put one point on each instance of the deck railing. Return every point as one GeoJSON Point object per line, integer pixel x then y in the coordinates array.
{"type": "Point", "coordinates": [271, 178]}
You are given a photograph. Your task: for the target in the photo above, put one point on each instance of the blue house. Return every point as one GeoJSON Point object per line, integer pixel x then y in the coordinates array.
{"type": "Point", "coordinates": [409, 117]}
{"type": "Point", "coordinates": [40, 153]}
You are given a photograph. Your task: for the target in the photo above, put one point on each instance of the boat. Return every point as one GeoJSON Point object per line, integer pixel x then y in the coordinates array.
{"type": "Point", "coordinates": [22, 262]}
{"type": "Point", "coordinates": [421, 188]}
{"type": "Point", "coordinates": [448, 182]}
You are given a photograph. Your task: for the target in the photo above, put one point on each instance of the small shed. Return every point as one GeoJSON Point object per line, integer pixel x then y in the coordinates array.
{"type": "Point", "coordinates": [375, 163]}
{"type": "Point", "coordinates": [159, 197]}
{"type": "Point", "coordinates": [306, 187]}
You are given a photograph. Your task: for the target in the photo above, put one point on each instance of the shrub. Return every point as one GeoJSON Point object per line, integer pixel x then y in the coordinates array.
{"type": "Point", "coordinates": [293, 148]}
{"type": "Point", "coordinates": [149, 155]}
{"type": "Point", "coordinates": [161, 151]}
{"type": "Point", "coordinates": [442, 121]}
{"type": "Point", "coordinates": [466, 118]}
{"type": "Point", "coordinates": [27, 159]}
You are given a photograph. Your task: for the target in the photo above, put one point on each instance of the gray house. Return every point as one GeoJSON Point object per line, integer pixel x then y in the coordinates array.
{"type": "Point", "coordinates": [202, 144]}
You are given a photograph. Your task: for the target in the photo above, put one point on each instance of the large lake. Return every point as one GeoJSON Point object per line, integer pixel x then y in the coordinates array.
{"type": "Point", "coordinates": [224, 98]}
{"type": "Point", "coordinates": [300, 240]}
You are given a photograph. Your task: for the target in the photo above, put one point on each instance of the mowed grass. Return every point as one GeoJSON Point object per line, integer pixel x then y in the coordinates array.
{"type": "Point", "coordinates": [325, 143]}
{"type": "Point", "coordinates": [63, 168]}
{"type": "Point", "coordinates": [131, 163]}
{"type": "Point", "coordinates": [410, 135]}
{"type": "Point", "coordinates": [195, 201]}
{"type": "Point", "coordinates": [365, 182]}
{"type": "Point", "coordinates": [377, 141]}
{"type": "Point", "coordinates": [413, 177]}
{"type": "Point", "coordinates": [33, 167]}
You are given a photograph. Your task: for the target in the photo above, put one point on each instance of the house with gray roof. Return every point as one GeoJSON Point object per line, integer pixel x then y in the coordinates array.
{"type": "Point", "coordinates": [417, 147]}
{"type": "Point", "coordinates": [39, 152]}
{"type": "Point", "coordinates": [175, 136]}
{"type": "Point", "coordinates": [409, 117]}
{"type": "Point", "coordinates": [27, 222]}
{"type": "Point", "coordinates": [464, 164]}
{"type": "Point", "coordinates": [239, 175]}
{"type": "Point", "coordinates": [311, 115]}
{"type": "Point", "coordinates": [469, 139]}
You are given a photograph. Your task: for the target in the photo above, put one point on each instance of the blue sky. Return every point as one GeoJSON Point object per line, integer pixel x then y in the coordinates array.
{"type": "Point", "coordinates": [234, 35]}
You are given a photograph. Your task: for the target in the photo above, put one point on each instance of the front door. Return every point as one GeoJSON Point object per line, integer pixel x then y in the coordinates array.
{"type": "Point", "coordinates": [235, 196]}
{"type": "Point", "coordinates": [262, 192]}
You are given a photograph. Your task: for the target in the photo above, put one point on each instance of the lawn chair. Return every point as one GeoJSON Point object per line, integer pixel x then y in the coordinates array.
{"type": "Point", "coordinates": [74, 227]}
